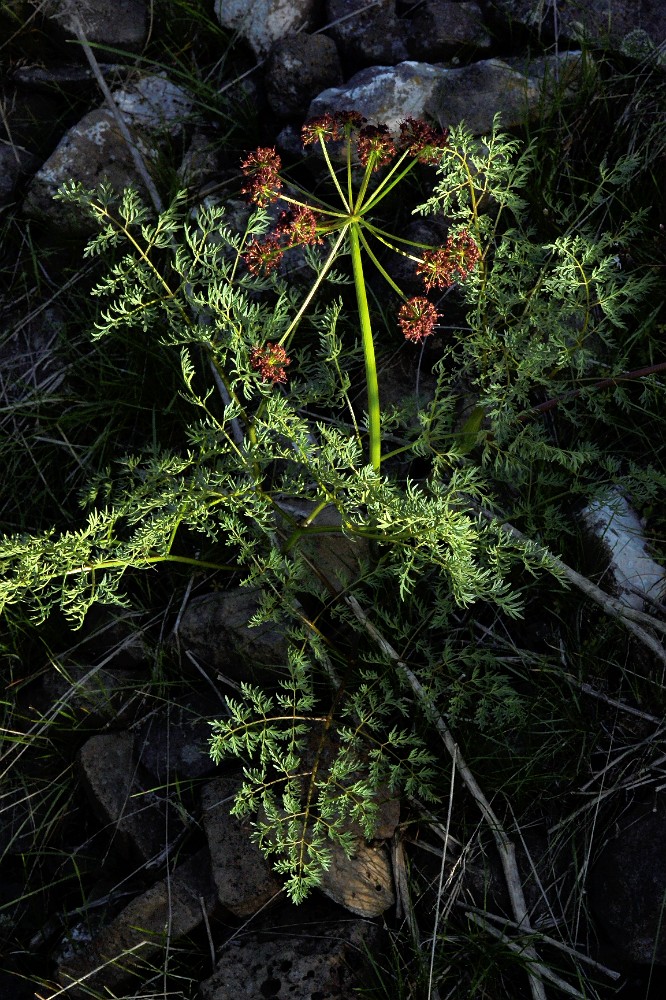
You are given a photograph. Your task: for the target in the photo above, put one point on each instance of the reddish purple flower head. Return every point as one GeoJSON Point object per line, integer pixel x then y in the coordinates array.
{"type": "Point", "coordinates": [298, 226]}
{"type": "Point", "coordinates": [423, 140]}
{"type": "Point", "coordinates": [375, 146]}
{"type": "Point", "coordinates": [261, 170]}
{"type": "Point", "coordinates": [417, 318]}
{"type": "Point", "coordinates": [453, 262]}
{"type": "Point", "coordinates": [264, 255]}
{"type": "Point", "coordinates": [331, 127]}
{"type": "Point", "coordinates": [270, 361]}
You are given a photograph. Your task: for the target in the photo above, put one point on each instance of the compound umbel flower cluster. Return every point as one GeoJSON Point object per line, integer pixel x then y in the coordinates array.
{"type": "Point", "coordinates": [309, 221]}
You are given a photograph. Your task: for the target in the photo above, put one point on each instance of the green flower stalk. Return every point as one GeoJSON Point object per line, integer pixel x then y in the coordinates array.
{"type": "Point", "coordinates": [310, 221]}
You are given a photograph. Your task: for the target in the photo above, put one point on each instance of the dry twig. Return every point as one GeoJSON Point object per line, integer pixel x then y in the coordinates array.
{"type": "Point", "coordinates": [504, 846]}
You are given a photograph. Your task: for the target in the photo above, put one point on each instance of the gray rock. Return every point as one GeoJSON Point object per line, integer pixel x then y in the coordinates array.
{"type": "Point", "coordinates": [299, 68]}
{"type": "Point", "coordinates": [597, 21]}
{"type": "Point", "coordinates": [108, 769]}
{"type": "Point", "coordinates": [628, 887]}
{"type": "Point", "coordinates": [366, 35]}
{"type": "Point", "coordinates": [175, 746]}
{"type": "Point", "coordinates": [91, 152]}
{"type": "Point", "coordinates": [262, 22]}
{"type": "Point", "coordinates": [629, 572]}
{"type": "Point", "coordinates": [173, 907]}
{"type": "Point", "coordinates": [441, 29]}
{"type": "Point", "coordinates": [94, 150]}
{"type": "Point", "coordinates": [121, 23]}
{"type": "Point", "coordinates": [384, 94]}
{"type": "Point", "coordinates": [244, 879]}
{"type": "Point", "coordinates": [215, 630]}
{"type": "Point", "coordinates": [202, 166]}
{"type": "Point", "coordinates": [473, 94]}
{"type": "Point", "coordinates": [315, 960]}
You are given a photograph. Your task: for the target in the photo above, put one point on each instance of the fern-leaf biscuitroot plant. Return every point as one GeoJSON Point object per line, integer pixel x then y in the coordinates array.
{"type": "Point", "coordinates": [271, 440]}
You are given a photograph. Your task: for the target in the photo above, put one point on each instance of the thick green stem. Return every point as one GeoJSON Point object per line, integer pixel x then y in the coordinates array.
{"type": "Point", "coordinates": [368, 350]}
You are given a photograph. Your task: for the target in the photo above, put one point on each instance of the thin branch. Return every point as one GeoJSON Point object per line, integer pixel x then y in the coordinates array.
{"type": "Point", "coordinates": [504, 846]}
{"type": "Point", "coordinates": [138, 159]}
{"type": "Point", "coordinates": [604, 383]}
{"type": "Point", "coordinates": [537, 967]}
{"type": "Point", "coordinates": [630, 617]}
{"type": "Point", "coordinates": [613, 702]}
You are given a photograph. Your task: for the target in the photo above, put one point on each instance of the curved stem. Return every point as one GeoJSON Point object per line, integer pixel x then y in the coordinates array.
{"type": "Point", "coordinates": [368, 349]}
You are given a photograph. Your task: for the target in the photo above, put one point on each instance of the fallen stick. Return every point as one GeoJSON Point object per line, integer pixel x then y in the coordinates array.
{"type": "Point", "coordinates": [514, 946]}
{"type": "Point", "coordinates": [631, 618]}
{"type": "Point", "coordinates": [505, 848]}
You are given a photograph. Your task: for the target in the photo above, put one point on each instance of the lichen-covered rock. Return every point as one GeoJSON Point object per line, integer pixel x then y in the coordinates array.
{"type": "Point", "coordinates": [91, 152]}
{"type": "Point", "coordinates": [473, 94]}
{"type": "Point", "coordinates": [94, 150]}
{"type": "Point", "coordinates": [154, 104]}
{"type": "Point", "coordinates": [300, 67]}
{"type": "Point", "coordinates": [384, 94]}
{"type": "Point", "coordinates": [262, 22]}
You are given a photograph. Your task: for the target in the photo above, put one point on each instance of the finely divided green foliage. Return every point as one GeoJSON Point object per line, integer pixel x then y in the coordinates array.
{"type": "Point", "coordinates": [535, 320]}
{"type": "Point", "coordinates": [313, 775]}
{"type": "Point", "coordinates": [544, 317]}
